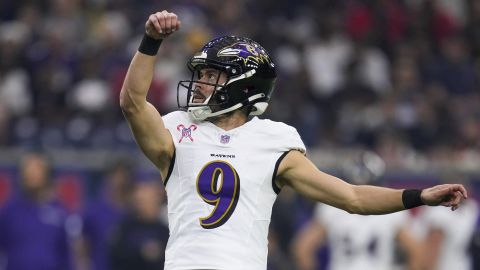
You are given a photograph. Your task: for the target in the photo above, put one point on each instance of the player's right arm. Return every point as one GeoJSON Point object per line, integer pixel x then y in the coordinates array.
{"type": "Point", "coordinates": [144, 120]}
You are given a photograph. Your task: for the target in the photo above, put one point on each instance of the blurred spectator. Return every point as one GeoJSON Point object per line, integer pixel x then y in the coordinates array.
{"type": "Point", "coordinates": [327, 56]}
{"type": "Point", "coordinates": [4, 124]}
{"type": "Point", "coordinates": [33, 225]}
{"type": "Point", "coordinates": [102, 216]}
{"type": "Point", "coordinates": [290, 211]}
{"type": "Point", "coordinates": [141, 238]}
{"type": "Point", "coordinates": [352, 72]}
{"type": "Point", "coordinates": [454, 68]}
{"type": "Point", "coordinates": [471, 28]}
{"type": "Point", "coordinates": [277, 258]}
{"type": "Point", "coordinates": [475, 246]}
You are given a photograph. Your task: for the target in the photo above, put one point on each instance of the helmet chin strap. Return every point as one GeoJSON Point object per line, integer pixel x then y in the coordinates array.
{"type": "Point", "coordinates": [245, 75]}
{"type": "Point", "coordinates": [203, 112]}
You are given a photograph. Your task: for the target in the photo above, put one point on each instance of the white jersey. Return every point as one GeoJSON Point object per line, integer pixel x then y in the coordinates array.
{"type": "Point", "coordinates": [221, 191]}
{"type": "Point", "coordinates": [457, 228]}
{"type": "Point", "coordinates": [360, 242]}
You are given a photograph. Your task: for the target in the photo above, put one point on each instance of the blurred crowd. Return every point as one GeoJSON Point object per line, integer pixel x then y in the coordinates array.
{"type": "Point", "coordinates": [121, 224]}
{"type": "Point", "coordinates": [399, 77]}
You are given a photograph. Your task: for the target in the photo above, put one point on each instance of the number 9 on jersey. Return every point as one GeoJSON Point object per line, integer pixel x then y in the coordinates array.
{"type": "Point", "coordinates": [218, 184]}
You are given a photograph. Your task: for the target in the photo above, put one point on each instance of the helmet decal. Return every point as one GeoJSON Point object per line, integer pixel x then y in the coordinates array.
{"type": "Point", "coordinates": [250, 54]}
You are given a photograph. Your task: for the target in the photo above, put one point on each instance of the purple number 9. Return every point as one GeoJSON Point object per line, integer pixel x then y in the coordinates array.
{"type": "Point", "coordinates": [218, 184]}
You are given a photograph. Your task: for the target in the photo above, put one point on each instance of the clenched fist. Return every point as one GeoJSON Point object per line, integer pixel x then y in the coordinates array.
{"type": "Point", "coordinates": [162, 24]}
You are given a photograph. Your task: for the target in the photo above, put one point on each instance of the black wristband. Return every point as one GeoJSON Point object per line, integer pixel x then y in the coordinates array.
{"type": "Point", "coordinates": [149, 45]}
{"type": "Point", "coordinates": [411, 198]}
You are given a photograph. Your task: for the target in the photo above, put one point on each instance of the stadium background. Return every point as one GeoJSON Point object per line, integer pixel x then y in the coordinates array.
{"type": "Point", "coordinates": [399, 77]}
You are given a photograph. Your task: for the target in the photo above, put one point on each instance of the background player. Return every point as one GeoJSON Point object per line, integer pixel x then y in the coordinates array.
{"type": "Point", "coordinates": [448, 236]}
{"type": "Point", "coordinates": [354, 241]}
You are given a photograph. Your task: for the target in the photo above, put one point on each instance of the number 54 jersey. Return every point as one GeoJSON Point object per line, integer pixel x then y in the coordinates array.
{"type": "Point", "coordinates": [221, 190]}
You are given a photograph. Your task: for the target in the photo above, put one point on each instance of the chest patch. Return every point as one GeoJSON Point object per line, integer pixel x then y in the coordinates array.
{"type": "Point", "coordinates": [186, 132]}
{"type": "Point", "coordinates": [225, 139]}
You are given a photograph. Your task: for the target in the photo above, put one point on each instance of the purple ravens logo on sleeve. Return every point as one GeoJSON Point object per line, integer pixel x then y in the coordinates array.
{"type": "Point", "coordinates": [251, 55]}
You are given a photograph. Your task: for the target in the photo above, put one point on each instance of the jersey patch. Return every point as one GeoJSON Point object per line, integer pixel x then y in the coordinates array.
{"type": "Point", "coordinates": [186, 132]}
{"type": "Point", "coordinates": [225, 139]}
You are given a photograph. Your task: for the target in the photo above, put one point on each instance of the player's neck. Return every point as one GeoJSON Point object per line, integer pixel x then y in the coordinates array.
{"type": "Point", "coordinates": [229, 121]}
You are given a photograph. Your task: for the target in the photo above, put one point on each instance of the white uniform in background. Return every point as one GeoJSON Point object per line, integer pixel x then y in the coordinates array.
{"type": "Point", "coordinates": [220, 191]}
{"type": "Point", "coordinates": [360, 242]}
{"type": "Point", "coordinates": [457, 228]}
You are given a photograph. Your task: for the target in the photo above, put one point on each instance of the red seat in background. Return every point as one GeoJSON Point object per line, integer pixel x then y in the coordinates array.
{"type": "Point", "coordinates": [5, 187]}
{"type": "Point", "coordinates": [70, 191]}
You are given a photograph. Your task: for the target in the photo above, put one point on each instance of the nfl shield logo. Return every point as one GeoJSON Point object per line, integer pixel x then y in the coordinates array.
{"type": "Point", "coordinates": [225, 139]}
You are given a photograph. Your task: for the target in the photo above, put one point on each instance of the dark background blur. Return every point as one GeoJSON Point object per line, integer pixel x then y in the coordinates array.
{"type": "Point", "coordinates": [397, 77]}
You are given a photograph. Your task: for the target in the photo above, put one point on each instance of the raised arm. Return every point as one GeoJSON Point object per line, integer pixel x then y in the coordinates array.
{"type": "Point", "coordinates": [302, 175]}
{"type": "Point", "coordinates": [144, 120]}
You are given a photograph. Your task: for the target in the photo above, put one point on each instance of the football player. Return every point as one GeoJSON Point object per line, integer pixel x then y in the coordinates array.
{"type": "Point", "coordinates": [222, 166]}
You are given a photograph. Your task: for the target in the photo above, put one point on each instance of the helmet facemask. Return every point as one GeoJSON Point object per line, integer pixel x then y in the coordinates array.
{"type": "Point", "coordinates": [211, 104]}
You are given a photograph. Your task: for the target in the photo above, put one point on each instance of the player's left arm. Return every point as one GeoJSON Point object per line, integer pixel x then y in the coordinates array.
{"type": "Point", "coordinates": [301, 174]}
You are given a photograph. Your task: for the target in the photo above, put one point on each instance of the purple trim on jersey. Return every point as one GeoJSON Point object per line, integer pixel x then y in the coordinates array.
{"type": "Point", "coordinates": [170, 168]}
{"type": "Point", "coordinates": [275, 187]}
